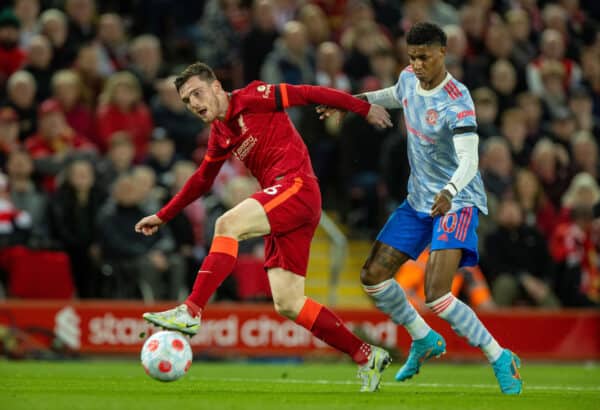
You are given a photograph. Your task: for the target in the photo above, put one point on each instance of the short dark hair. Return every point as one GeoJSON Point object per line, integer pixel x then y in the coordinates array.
{"type": "Point", "coordinates": [197, 69]}
{"type": "Point", "coordinates": [426, 34]}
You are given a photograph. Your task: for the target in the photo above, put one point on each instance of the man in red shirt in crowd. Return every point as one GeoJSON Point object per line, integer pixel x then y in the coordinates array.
{"type": "Point", "coordinates": [54, 143]}
{"type": "Point", "coordinates": [251, 124]}
{"type": "Point", "coordinates": [11, 56]}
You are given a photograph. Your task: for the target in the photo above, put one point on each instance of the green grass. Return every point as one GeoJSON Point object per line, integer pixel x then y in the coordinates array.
{"type": "Point", "coordinates": [110, 385]}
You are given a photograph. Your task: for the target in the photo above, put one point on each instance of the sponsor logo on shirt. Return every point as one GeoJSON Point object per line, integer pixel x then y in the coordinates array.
{"type": "Point", "coordinates": [265, 90]}
{"type": "Point", "coordinates": [242, 151]}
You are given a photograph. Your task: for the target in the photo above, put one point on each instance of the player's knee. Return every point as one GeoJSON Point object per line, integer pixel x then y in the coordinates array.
{"type": "Point", "coordinates": [370, 276]}
{"type": "Point", "coordinates": [434, 291]}
{"type": "Point", "coordinates": [286, 308]}
{"type": "Point", "coordinates": [226, 226]}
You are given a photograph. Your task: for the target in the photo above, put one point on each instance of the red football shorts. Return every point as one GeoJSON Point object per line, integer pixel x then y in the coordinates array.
{"type": "Point", "coordinates": [293, 207]}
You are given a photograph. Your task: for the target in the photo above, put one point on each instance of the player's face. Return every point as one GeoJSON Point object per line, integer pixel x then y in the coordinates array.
{"type": "Point", "coordinates": [200, 97]}
{"type": "Point", "coordinates": [427, 61]}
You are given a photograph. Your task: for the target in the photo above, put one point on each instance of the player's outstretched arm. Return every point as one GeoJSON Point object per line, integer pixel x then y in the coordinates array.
{"type": "Point", "coordinates": [197, 185]}
{"type": "Point", "coordinates": [310, 94]}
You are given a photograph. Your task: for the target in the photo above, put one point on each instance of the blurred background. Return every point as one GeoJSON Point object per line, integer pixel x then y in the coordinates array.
{"type": "Point", "coordinates": [93, 136]}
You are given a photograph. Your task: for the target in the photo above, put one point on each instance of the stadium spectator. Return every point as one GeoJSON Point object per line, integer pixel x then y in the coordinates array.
{"type": "Point", "coordinates": [552, 92]}
{"type": "Point", "coordinates": [218, 42]}
{"type": "Point", "coordinates": [315, 21]}
{"type": "Point", "coordinates": [27, 11]}
{"type": "Point", "coordinates": [538, 211]}
{"type": "Point", "coordinates": [517, 262]}
{"type": "Point", "coordinates": [498, 46]}
{"type": "Point", "coordinates": [112, 44]}
{"type": "Point", "coordinates": [456, 45]}
{"type": "Point", "coordinates": [359, 42]}
{"type": "Point", "coordinates": [520, 31]}
{"type": "Point", "coordinates": [162, 157]}
{"type": "Point", "coordinates": [147, 63]}
{"type": "Point", "coordinates": [496, 167]}
{"type": "Point", "coordinates": [39, 65]}
{"type": "Point", "coordinates": [503, 80]}
{"type": "Point", "coordinates": [582, 106]}
{"type": "Point", "coordinates": [74, 209]}
{"type": "Point", "coordinates": [584, 149]}
{"type": "Point", "coordinates": [117, 162]}
{"type": "Point", "coordinates": [574, 245]}
{"type": "Point", "coordinates": [291, 61]}
{"type": "Point", "coordinates": [54, 143]}
{"type": "Point", "coordinates": [260, 39]}
{"type": "Point", "coordinates": [12, 56]}
{"type": "Point", "coordinates": [68, 90]}
{"type": "Point", "coordinates": [486, 107]}
{"type": "Point", "coordinates": [139, 266]}
{"type": "Point", "coordinates": [26, 196]}
{"type": "Point", "coordinates": [81, 22]}
{"type": "Point", "coordinates": [53, 24]}
{"type": "Point", "coordinates": [15, 224]}
{"type": "Point", "coordinates": [550, 162]}
{"type": "Point", "coordinates": [562, 128]}
{"type": "Point", "coordinates": [9, 134]}
{"type": "Point", "coordinates": [552, 49]}
{"type": "Point", "coordinates": [531, 106]}
{"type": "Point", "coordinates": [122, 109]}
{"type": "Point", "coordinates": [514, 130]}
{"type": "Point", "coordinates": [169, 112]}
{"type": "Point", "coordinates": [152, 196]}
{"type": "Point", "coordinates": [20, 93]}
{"type": "Point", "coordinates": [88, 68]}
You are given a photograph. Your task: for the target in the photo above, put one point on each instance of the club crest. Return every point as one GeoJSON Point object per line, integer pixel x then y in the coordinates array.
{"type": "Point", "coordinates": [432, 117]}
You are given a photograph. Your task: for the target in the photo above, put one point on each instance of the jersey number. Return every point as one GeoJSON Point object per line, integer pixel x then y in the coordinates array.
{"type": "Point", "coordinates": [272, 190]}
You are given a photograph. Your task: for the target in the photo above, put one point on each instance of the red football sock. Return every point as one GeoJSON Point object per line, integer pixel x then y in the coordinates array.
{"type": "Point", "coordinates": [217, 265]}
{"type": "Point", "coordinates": [328, 327]}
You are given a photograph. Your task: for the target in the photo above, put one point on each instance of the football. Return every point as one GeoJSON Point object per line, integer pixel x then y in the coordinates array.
{"type": "Point", "coordinates": [166, 356]}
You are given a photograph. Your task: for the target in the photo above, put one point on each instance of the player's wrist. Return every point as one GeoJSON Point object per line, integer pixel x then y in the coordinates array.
{"type": "Point", "coordinates": [450, 188]}
{"type": "Point", "coordinates": [446, 194]}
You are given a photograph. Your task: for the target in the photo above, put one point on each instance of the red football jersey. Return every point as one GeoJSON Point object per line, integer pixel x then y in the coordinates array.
{"type": "Point", "coordinates": [261, 135]}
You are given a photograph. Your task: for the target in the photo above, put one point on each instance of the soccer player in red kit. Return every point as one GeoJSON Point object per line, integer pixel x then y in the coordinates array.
{"type": "Point", "coordinates": [251, 124]}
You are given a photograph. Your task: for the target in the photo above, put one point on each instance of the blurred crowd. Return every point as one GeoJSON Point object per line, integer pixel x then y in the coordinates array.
{"type": "Point", "coordinates": [93, 135]}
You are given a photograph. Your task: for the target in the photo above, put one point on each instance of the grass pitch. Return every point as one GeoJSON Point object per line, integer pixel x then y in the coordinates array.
{"type": "Point", "coordinates": [110, 385]}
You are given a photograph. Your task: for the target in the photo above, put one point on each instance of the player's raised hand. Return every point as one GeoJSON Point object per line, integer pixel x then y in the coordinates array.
{"type": "Point", "coordinates": [379, 117]}
{"type": "Point", "coordinates": [325, 112]}
{"type": "Point", "coordinates": [441, 203]}
{"type": "Point", "coordinates": [148, 225]}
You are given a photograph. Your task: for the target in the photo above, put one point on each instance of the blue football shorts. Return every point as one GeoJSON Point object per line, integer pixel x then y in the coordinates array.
{"type": "Point", "coordinates": [410, 232]}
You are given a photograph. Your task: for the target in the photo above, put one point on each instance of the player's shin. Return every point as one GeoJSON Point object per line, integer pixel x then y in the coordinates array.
{"type": "Point", "coordinates": [465, 323]}
{"type": "Point", "coordinates": [390, 298]}
{"type": "Point", "coordinates": [217, 265]}
{"type": "Point", "coordinates": [328, 327]}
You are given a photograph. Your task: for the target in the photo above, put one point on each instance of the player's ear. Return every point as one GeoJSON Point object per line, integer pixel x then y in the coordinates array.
{"type": "Point", "coordinates": [217, 86]}
{"type": "Point", "coordinates": [443, 50]}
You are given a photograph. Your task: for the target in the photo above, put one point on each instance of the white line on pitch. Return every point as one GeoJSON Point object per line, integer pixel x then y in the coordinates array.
{"type": "Point", "coordinates": [443, 385]}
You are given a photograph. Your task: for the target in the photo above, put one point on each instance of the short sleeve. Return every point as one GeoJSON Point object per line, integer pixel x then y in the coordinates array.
{"type": "Point", "coordinates": [461, 117]}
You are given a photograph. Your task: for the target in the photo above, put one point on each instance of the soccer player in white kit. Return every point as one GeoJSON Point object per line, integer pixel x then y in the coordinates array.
{"type": "Point", "coordinates": [445, 196]}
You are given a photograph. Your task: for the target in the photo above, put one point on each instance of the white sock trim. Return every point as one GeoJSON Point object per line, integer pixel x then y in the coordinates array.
{"type": "Point", "coordinates": [441, 304]}
{"type": "Point", "coordinates": [492, 350]}
{"type": "Point", "coordinates": [374, 290]}
{"type": "Point", "coordinates": [418, 328]}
